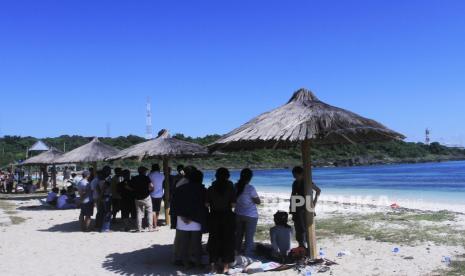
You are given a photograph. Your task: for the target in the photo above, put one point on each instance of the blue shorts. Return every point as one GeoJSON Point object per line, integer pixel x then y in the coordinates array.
{"type": "Point", "coordinates": [87, 209]}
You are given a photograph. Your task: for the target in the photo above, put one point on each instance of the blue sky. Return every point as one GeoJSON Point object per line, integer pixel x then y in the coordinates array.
{"type": "Point", "coordinates": [72, 67]}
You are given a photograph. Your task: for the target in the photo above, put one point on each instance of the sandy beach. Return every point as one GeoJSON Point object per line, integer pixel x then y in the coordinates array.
{"type": "Point", "coordinates": [37, 240]}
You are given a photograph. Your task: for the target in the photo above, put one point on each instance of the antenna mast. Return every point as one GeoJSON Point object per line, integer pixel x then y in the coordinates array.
{"type": "Point", "coordinates": [148, 121]}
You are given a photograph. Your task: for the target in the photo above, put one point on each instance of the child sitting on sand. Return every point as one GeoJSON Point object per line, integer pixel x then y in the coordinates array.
{"type": "Point", "coordinates": [52, 197]}
{"type": "Point", "coordinates": [281, 235]}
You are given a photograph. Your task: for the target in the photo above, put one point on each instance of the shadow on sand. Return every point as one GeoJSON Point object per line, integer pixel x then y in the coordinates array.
{"type": "Point", "coordinates": [72, 226]}
{"type": "Point", "coordinates": [156, 260]}
{"type": "Point", "coordinates": [41, 207]}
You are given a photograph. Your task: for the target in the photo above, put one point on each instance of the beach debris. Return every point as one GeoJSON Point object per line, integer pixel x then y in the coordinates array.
{"type": "Point", "coordinates": [324, 269]}
{"type": "Point", "coordinates": [233, 271]}
{"type": "Point", "coordinates": [254, 267]}
{"type": "Point", "coordinates": [330, 263]}
{"type": "Point", "coordinates": [270, 266]}
{"type": "Point", "coordinates": [446, 260]}
{"type": "Point", "coordinates": [408, 258]}
{"type": "Point", "coordinates": [344, 253]}
{"type": "Point", "coordinates": [395, 250]}
{"type": "Point", "coordinates": [307, 271]}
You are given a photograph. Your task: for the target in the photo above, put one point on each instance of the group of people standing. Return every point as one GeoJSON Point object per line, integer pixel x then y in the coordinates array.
{"type": "Point", "coordinates": [138, 197]}
{"type": "Point", "coordinates": [6, 181]}
{"type": "Point", "coordinates": [200, 210]}
{"type": "Point", "coordinates": [226, 211]}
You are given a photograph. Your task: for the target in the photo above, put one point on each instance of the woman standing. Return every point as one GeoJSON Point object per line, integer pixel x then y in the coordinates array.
{"type": "Point", "coordinates": [222, 221]}
{"type": "Point", "coordinates": [246, 212]}
{"type": "Point", "coordinates": [189, 205]}
{"type": "Point", "coordinates": [128, 207]}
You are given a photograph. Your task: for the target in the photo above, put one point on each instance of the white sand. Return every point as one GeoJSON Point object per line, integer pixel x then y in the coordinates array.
{"type": "Point", "coordinates": [49, 243]}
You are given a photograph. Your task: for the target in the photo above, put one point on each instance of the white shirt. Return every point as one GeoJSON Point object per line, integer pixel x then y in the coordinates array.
{"type": "Point", "coordinates": [192, 226]}
{"type": "Point", "coordinates": [82, 188]}
{"type": "Point", "coordinates": [244, 203]}
{"type": "Point", "coordinates": [61, 202]}
{"type": "Point", "coordinates": [157, 180]}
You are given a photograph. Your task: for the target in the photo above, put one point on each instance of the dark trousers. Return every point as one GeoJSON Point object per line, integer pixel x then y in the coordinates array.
{"type": "Point", "coordinates": [115, 206]}
{"type": "Point", "coordinates": [100, 213]}
{"type": "Point", "coordinates": [128, 208]}
{"type": "Point", "coordinates": [188, 246]}
{"type": "Point", "coordinates": [106, 217]}
{"type": "Point", "coordinates": [221, 240]}
{"type": "Point", "coordinates": [300, 227]}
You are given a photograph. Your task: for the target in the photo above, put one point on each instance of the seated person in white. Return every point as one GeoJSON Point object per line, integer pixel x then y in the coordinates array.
{"type": "Point", "coordinates": [52, 197]}
{"type": "Point", "coordinates": [64, 202]}
{"type": "Point", "coordinates": [281, 235]}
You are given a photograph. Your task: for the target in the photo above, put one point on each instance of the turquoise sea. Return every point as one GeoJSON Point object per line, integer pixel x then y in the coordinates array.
{"type": "Point", "coordinates": [442, 182]}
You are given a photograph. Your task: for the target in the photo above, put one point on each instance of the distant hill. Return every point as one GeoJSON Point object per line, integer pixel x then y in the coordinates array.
{"type": "Point", "coordinates": [14, 148]}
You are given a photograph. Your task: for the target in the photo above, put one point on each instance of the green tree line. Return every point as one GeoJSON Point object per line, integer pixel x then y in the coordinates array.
{"type": "Point", "coordinates": [13, 148]}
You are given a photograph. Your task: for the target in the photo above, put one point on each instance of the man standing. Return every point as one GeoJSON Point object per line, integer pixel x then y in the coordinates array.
{"type": "Point", "coordinates": [141, 187]}
{"type": "Point", "coordinates": [98, 187]}
{"type": "Point", "coordinates": [45, 177]}
{"type": "Point", "coordinates": [115, 195]}
{"type": "Point", "coordinates": [298, 210]}
{"type": "Point", "coordinates": [66, 174]}
{"type": "Point", "coordinates": [87, 203]}
{"type": "Point", "coordinates": [105, 198]}
{"type": "Point", "coordinates": [54, 176]}
{"type": "Point", "coordinates": [157, 179]}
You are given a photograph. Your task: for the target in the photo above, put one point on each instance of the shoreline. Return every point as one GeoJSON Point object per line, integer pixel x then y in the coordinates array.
{"type": "Point", "coordinates": [316, 164]}
{"type": "Point", "coordinates": [363, 201]}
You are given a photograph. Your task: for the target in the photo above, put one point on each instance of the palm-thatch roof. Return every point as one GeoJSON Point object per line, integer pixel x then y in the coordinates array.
{"type": "Point", "coordinates": [162, 146]}
{"type": "Point", "coordinates": [304, 117]}
{"type": "Point", "coordinates": [39, 146]}
{"type": "Point", "coordinates": [44, 158]}
{"type": "Point", "coordinates": [93, 151]}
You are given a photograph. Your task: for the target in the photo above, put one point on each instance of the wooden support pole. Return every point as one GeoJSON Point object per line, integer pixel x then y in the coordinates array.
{"type": "Point", "coordinates": [309, 214]}
{"type": "Point", "coordinates": [166, 187]}
{"type": "Point", "coordinates": [54, 176]}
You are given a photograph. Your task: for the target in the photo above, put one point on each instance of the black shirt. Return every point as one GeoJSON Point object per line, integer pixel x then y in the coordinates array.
{"type": "Point", "coordinates": [141, 186]}
{"type": "Point", "coordinates": [124, 192]}
{"type": "Point", "coordinates": [221, 200]}
{"type": "Point", "coordinates": [298, 189]}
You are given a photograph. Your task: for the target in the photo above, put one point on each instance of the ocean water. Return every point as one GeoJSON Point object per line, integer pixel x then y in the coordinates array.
{"type": "Point", "coordinates": [442, 182]}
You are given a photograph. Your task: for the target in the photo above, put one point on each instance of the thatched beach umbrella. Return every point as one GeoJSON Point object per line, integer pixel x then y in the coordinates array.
{"type": "Point", "coordinates": [165, 148]}
{"type": "Point", "coordinates": [92, 152]}
{"type": "Point", "coordinates": [307, 121]}
{"type": "Point", "coordinates": [45, 158]}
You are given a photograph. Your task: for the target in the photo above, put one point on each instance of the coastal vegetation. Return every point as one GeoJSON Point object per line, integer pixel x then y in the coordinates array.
{"type": "Point", "coordinates": [13, 148]}
{"type": "Point", "coordinates": [405, 227]}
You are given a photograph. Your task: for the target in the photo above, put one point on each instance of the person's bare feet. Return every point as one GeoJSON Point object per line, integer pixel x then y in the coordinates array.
{"type": "Point", "coordinates": [226, 269]}
{"type": "Point", "coordinates": [212, 269]}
